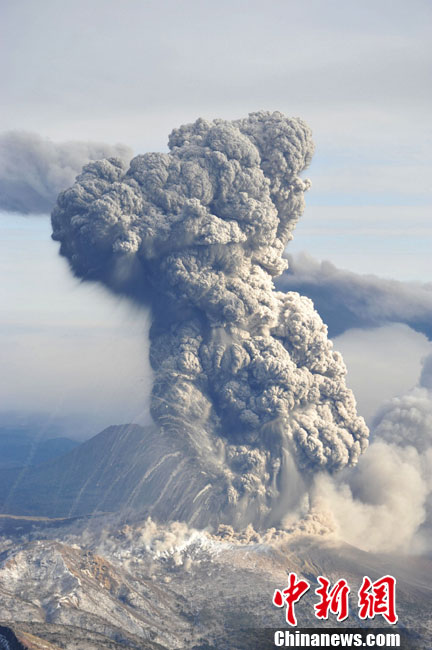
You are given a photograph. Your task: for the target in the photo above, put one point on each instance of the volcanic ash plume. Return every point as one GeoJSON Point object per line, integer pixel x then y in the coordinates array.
{"type": "Point", "coordinates": [245, 378]}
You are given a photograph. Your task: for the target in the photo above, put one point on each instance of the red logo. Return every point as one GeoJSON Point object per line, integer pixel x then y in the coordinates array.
{"type": "Point", "coordinates": [335, 600]}
{"type": "Point", "coordinates": [374, 598]}
{"type": "Point", "coordinates": [378, 597]}
{"type": "Point", "coordinates": [290, 596]}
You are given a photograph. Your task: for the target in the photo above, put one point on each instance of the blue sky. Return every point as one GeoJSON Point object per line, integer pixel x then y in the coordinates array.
{"type": "Point", "coordinates": [358, 73]}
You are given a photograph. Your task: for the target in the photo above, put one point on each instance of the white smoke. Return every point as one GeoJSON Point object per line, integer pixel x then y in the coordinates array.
{"type": "Point", "coordinates": [33, 170]}
{"type": "Point", "coordinates": [245, 375]}
{"type": "Point", "coordinates": [385, 503]}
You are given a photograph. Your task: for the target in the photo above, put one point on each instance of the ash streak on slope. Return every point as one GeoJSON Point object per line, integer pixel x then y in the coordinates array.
{"type": "Point", "coordinates": [245, 376]}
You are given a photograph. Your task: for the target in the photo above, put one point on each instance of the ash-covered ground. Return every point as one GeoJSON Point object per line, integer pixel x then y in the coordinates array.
{"type": "Point", "coordinates": [103, 583]}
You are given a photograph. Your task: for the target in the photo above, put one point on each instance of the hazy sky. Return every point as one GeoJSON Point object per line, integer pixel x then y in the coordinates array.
{"type": "Point", "coordinates": [357, 72]}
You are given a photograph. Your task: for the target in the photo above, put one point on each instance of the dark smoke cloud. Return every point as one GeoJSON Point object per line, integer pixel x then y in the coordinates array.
{"type": "Point", "coordinates": [33, 170]}
{"type": "Point", "coordinates": [348, 300]}
{"type": "Point", "coordinates": [243, 373]}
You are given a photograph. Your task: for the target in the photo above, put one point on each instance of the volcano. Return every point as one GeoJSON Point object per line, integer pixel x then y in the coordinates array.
{"type": "Point", "coordinates": [128, 468]}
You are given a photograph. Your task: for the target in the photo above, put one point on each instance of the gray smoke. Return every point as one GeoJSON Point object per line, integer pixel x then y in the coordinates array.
{"type": "Point", "coordinates": [349, 300]}
{"type": "Point", "coordinates": [33, 170]}
{"type": "Point", "coordinates": [244, 374]}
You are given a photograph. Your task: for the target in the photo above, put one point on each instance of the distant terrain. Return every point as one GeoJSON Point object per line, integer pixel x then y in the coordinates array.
{"type": "Point", "coordinates": [21, 447]}
{"type": "Point", "coordinates": [98, 475]}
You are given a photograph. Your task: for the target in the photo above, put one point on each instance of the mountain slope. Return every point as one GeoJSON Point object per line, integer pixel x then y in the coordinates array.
{"type": "Point", "coordinates": [123, 467]}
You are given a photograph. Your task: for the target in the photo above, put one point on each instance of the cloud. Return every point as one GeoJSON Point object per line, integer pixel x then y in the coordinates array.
{"type": "Point", "coordinates": [382, 362]}
{"type": "Point", "coordinates": [426, 374]}
{"type": "Point", "coordinates": [245, 374]}
{"type": "Point", "coordinates": [348, 300]}
{"type": "Point", "coordinates": [385, 503]}
{"type": "Point", "coordinates": [33, 170]}
{"type": "Point", "coordinates": [407, 420]}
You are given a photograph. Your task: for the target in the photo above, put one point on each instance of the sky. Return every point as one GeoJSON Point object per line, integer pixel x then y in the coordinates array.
{"type": "Point", "coordinates": [358, 73]}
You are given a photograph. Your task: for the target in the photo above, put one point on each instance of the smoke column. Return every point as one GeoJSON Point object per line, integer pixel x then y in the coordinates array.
{"type": "Point", "coordinates": [246, 380]}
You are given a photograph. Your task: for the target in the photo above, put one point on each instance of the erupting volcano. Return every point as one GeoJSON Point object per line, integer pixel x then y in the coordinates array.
{"type": "Point", "coordinates": [249, 398]}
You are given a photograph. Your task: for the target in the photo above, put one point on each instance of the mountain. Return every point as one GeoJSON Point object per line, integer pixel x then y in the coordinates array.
{"type": "Point", "coordinates": [127, 467]}
{"type": "Point", "coordinates": [20, 448]}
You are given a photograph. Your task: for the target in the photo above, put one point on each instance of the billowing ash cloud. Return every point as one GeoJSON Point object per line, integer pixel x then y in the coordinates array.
{"type": "Point", "coordinates": [345, 299]}
{"type": "Point", "coordinates": [243, 373]}
{"type": "Point", "coordinates": [33, 170]}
